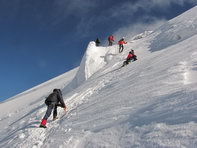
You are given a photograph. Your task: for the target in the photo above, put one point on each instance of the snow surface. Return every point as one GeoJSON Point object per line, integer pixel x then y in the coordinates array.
{"type": "Point", "coordinates": [151, 103]}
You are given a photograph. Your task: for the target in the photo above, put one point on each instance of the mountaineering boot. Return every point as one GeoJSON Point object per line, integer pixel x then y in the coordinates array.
{"type": "Point", "coordinates": [43, 123]}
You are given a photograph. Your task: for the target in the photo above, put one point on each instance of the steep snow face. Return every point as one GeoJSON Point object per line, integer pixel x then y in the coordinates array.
{"type": "Point", "coordinates": [176, 30]}
{"type": "Point", "coordinates": [149, 103]}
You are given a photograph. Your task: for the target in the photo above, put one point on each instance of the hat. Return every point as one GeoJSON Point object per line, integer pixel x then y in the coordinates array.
{"type": "Point", "coordinates": [55, 90]}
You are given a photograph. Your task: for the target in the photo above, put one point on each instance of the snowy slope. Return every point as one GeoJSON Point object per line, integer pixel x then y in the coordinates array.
{"type": "Point", "coordinates": [152, 102]}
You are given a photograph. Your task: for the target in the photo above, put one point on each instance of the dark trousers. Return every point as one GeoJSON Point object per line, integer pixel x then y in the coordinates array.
{"type": "Point", "coordinates": [126, 62]}
{"type": "Point", "coordinates": [49, 110]}
{"type": "Point", "coordinates": [134, 58]}
{"type": "Point", "coordinates": [129, 60]}
{"type": "Point", "coordinates": [110, 42]}
{"type": "Point", "coordinates": [121, 47]}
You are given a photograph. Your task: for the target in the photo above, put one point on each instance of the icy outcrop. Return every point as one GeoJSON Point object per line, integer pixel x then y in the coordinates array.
{"type": "Point", "coordinates": [176, 30]}
{"type": "Point", "coordinates": [93, 60]}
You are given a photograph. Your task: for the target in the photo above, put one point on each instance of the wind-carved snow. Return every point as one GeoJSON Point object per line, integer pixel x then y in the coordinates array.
{"type": "Point", "coordinates": [190, 74]}
{"type": "Point", "coordinates": [176, 30]}
{"type": "Point", "coordinates": [93, 60]}
{"type": "Point", "coordinates": [184, 72]}
{"type": "Point", "coordinates": [142, 35]}
{"type": "Point", "coordinates": [149, 103]}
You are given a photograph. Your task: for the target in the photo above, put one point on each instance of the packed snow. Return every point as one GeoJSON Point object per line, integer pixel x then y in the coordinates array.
{"type": "Point", "coordinates": [151, 102]}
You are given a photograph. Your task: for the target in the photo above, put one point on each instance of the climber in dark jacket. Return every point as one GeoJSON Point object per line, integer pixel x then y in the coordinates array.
{"type": "Point", "coordinates": [97, 42]}
{"type": "Point", "coordinates": [53, 101]}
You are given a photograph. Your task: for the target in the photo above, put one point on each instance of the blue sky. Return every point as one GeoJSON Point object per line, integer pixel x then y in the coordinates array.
{"type": "Point", "coordinates": [40, 40]}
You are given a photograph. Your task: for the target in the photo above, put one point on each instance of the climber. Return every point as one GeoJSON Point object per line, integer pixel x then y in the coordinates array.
{"type": "Point", "coordinates": [97, 42]}
{"type": "Point", "coordinates": [134, 56]}
{"type": "Point", "coordinates": [111, 40]}
{"type": "Point", "coordinates": [53, 101]}
{"type": "Point", "coordinates": [121, 44]}
{"type": "Point", "coordinates": [131, 56]}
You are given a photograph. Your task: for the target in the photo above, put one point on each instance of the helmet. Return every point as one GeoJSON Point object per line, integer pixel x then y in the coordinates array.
{"type": "Point", "coordinates": [55, 90]}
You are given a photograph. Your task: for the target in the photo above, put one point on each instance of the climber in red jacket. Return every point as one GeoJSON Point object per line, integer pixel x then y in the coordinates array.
{"type": "Point", "coordinates": [131, 56]}
{"type": "Point", "coordinates": [111, 39]}
{"type": "Point", "coordinates": [121, 45]}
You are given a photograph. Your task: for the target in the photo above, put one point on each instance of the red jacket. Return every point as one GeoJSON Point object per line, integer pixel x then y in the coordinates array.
{"type": "Point", "coordinates": [130, 56]}
{"type": "Point", "coordinates": [111, 38]}
{"type": "Point", "coordinates": [122, 42]}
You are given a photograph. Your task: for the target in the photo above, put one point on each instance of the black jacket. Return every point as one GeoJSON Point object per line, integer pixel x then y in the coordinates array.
{"type": "Point", "coordinates": [56, 99]}
{"type": "Point", "coordinates": [97, 41]}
